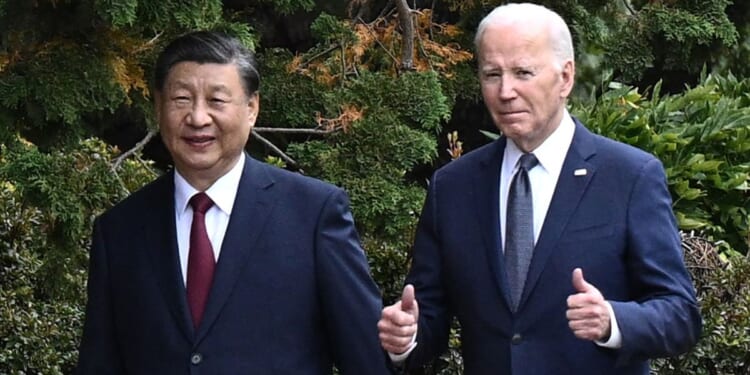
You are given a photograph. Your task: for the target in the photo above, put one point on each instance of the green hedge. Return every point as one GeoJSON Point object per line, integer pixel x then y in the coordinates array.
{"type": "Point", "coordinates": [48, 200]}
{"type": "Point", "coordinates": [723, 289]}
{"type": "Point", "coordinates": [47, 203]}
{"type": "Point", "coordinates": [703, 138]}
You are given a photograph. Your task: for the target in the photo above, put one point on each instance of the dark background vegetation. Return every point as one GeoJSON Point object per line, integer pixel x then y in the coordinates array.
{"type": "Point", "coordinates": [342, 100]}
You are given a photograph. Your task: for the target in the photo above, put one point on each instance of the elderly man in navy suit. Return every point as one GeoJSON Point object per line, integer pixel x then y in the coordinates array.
{"type": "Point", "coordinates": [226, 265]}
{"type": "Point", "coordinates": [555, 248]}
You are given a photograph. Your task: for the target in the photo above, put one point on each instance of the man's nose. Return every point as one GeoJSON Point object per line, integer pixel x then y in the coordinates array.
{"type": "Point", "coordinates": [507, 89]}
{"type": "Point", "coordinates": [199, 115]}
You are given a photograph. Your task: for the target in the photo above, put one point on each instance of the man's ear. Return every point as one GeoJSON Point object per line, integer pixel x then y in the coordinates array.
{"type": "Point", "coordinates": [568, 76]}
{"type": "Point", "coordinates": [253, 106]}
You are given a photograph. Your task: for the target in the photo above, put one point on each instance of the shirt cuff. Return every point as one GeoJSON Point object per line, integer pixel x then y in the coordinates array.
{"type": "Point", "coordinates": [615, 338]}
{"type": "Point", "coordinates": [401, 358]}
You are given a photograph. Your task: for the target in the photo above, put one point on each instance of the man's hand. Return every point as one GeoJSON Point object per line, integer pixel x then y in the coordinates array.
{"type": "Point", "coordinates": [398, 323]}
{"type": "Point", "coordinates": [588, 315]}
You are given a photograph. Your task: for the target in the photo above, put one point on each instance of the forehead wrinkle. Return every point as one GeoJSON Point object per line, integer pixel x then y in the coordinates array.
{"type": "Point", "coordinates": [527, 50]}
{"type": "Point", "coordinates": [191, 84]}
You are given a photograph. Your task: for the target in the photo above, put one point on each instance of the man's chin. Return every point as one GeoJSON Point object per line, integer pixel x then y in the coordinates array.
{"type": "Point", "coordinates": [513, 129]}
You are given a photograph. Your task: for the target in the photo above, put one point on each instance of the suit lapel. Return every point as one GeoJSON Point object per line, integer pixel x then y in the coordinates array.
{"type": "Point", "coordinates": [161, 235]}
{"type": "Point", "coordinates": [487, 205]}
{"type": "Point", "coordinates": [252, 207]}
{"type": "Point", "coordinates": [568, 193]}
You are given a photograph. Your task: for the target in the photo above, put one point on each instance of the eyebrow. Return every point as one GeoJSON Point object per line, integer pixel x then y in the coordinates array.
{"type": "Point", "coordinates": [212, 88]}
{"type": "Point", "coordinates": [494, 68]}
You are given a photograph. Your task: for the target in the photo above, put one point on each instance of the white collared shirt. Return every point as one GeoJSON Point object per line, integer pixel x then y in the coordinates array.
{"type": "Point", "coordinates": [543, 178]}
{"type": "Point", "coordinates": [222, 193]}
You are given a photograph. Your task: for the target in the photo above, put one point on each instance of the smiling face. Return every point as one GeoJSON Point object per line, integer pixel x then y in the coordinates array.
{"type": "Point", "coordinates": [523, 84]}
{"type": "Point", "coordinates": [205, 118]}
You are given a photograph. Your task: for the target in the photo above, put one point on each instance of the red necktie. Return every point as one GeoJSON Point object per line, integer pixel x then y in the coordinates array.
{"type": "Point", "coordinates": [201, 264]}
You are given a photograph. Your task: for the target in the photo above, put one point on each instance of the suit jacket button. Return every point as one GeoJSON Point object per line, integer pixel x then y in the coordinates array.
{"type": "Point", "coordinates": [516, 339]}
{"type": "Point", "coordinates": [196, 358]}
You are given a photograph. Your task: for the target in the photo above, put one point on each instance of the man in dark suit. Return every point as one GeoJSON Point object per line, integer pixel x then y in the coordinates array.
{"type": "Point", "coordinates": [226, 265]}
{"type": "Point", "coordinates": [555, 248]}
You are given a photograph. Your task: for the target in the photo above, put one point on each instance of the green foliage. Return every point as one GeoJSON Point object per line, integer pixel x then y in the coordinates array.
{"type": "Point", "coordinates": [37, 335]}
{"type": "Point", "coordinates": [387, 265]}
{"type": "Point", "coordinates": [372, 165]}
{"type": "Point", "coordinates": [329, 29]}
{"type": "Point", "coordinates": [210, 11]}
{"type": "Point", "coordinates": [463, 85]}
{"type": "Point", "coordinates": [70, 188]}
{"type": "Point", "coordinates": [119, 13]}
{"type": "Point", "coordinates": [287, 7]}
{"type": "Point", "coordinates": [287, 102]}
{"type": "Point", "coordinates": [674, 39]}
{"type": "Point", "coordinates": [47, 203]}
{"type": "Point", "coordinates": [724, 347]}
{"type": "Point", "coordinates": [60, 77]}
{"type": "Point", "coordinates": [702, 137]}
{"type": "Point", "coordinates": [416, 97]}
{"type": "Point", "coordinates": [373, 157]}
{"type": "Point", "coordinates": [671, 35]}
{"type": "Point", "coordinates": [70, 69]}
{"type": "Point", "coordinates": [65, 64]}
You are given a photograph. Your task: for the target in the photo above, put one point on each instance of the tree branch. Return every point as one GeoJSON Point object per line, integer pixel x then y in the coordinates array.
{"type": "Point", "coordinates": [138, 146]}
{"type": "Point", "coordinates": [386, 10]}
{"type": "Point", "coordinates": [432, 14]}
{"type": "Point", "coordinates": [407, 28]}
{"type": "Point", "coordinates": [420, 44]}
{"type": "Point", "coordinates": [322, 53]}
{"type": "Point", "coordinates": [292, 131]}
{"type": "Point", "coordinates": [369, 28]}
{"type": "Point", "coordinates": [275, 149]}
{"type": "Point", "coordinates": [629, 7]}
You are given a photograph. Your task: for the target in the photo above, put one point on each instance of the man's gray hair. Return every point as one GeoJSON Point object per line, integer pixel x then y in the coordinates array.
{"type": "Point", "coordinates": [532, 15]}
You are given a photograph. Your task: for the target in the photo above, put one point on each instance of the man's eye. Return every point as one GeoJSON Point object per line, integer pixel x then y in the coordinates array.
{"type": "Point", "coordinates": [181, 99]}
{"type": "Point", "coordinates": [525, 73]}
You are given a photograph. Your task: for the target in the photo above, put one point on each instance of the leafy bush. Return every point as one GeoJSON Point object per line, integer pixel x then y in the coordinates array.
{"type": "Point", "coordinates": [703, 139]}
{"type": "Point", "coordinates": [47, 203]}
{"type": "Point", "coordinates": [37, 334]}
{"type": "Point", "coordinates": [724, 295]}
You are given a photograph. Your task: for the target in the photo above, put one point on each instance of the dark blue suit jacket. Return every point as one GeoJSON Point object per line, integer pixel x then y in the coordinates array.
{"type": "Point", "coordinates": [292, 293]}
{"type": "Point", "coordinates": [615, 222]}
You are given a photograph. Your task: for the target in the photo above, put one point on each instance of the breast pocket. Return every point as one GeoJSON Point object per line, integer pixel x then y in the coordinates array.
{"type": "Point", "coordinates": [588, 230]}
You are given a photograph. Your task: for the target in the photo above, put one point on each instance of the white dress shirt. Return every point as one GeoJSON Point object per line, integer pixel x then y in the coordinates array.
{"type": "Point", "coordinates": [222, 193]}
{"type": "Point", "coordinates": [543, 178]}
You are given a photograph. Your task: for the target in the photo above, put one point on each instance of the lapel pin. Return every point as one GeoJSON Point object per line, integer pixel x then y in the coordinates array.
{"type": "Point", "coordinates": [579, 172]}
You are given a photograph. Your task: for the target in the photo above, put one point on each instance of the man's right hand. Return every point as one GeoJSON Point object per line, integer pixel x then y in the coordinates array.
{"type": "Point", "coordinates": [398, 323]}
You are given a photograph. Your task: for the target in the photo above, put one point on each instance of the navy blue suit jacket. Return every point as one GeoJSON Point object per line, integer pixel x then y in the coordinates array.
{"type": "Point", "coordinates": [615, 222]}
{"type": "Point", "coordinates": [292, 293]}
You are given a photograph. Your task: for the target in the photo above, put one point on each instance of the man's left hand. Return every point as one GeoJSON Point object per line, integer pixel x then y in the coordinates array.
{"type": "Point", "coordinates": [588, 315]}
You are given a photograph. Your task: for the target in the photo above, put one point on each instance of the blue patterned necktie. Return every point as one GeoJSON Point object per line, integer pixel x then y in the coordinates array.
{"type": "Point", "coordinates": [519, 229]}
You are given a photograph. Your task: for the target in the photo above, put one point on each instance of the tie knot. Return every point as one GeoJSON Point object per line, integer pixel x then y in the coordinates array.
{"type": "Point", "coordinates": [528, 161]}
{"type": "Point", "coordinates": [201, 203]}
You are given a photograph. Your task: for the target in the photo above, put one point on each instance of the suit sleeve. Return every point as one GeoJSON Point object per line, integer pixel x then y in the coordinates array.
{"type": "Point", "coordinates": [98, 352]}
{"type": "Point", "coordinates": [662, 317]}
{"type": "Point", "coordinates": [427, 277]}
{"type": "Point", "coordinates": [350, 300]}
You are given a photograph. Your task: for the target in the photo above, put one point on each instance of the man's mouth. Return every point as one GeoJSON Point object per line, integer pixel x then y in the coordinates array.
{"type": "Point", "coordinates": [199, 140]}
